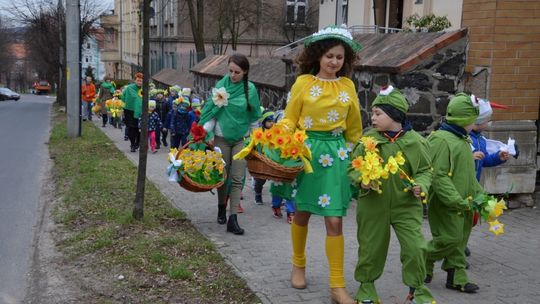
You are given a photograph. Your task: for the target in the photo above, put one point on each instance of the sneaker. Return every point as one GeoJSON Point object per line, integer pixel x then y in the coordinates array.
{"type": "Point", "coordinates": [277, 212]}
{"type": "Point", "coordinates": [258, 199]}
{"type": "Point", "coordinates": [290, 217]}
{"type": "Point", "coordinates": [239, 209]}
{"type": "Point", "coordinates": [125, 138]}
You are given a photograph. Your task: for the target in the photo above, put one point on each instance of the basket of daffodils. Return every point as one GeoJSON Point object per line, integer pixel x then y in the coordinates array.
{"type": "Point", "coordinates": [276, 154]}
{"type": "Point", "coordinates": [198, 166]}
{"type": "Point", "coordinates": [114, 106]}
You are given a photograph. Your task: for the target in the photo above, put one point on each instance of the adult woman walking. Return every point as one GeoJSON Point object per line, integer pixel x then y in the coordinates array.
{"type": "Point", "coordinates": [132, 98]}
{"type": "Point", "coordinates": [229, 115]}
{"type": "Point", "coordinates": [323, 102]}
{"type": "Point", "coordinates": [106, 92]}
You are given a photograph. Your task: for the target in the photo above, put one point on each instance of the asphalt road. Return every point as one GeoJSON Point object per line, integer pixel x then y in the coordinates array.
{"type": "Point", "coordinates": [24, 132]}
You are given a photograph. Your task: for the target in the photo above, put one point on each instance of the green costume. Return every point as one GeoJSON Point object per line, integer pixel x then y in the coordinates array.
{"type": "Point", "coordinates": [376, 213]}
{"type": "Point", "coordinates": [454, 181]}
{"type": "Point", "coordinates": [234, 119]}
{"type": "Point", "coordinates": [132, 100]}
{"type": "Point", "coordinates": [396, 208]}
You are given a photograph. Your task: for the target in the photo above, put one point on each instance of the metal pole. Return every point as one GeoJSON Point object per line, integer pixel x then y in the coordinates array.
{"type": "Point", "coordinates": [339, 12]}
{"type": "Point", "coordinates": [73, 90]}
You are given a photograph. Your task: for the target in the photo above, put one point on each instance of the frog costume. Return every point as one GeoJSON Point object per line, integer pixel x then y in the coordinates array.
{"type": "Point", "coordinates": [394, 207]}
{"type": "Point", "coordinates": [454, 182]}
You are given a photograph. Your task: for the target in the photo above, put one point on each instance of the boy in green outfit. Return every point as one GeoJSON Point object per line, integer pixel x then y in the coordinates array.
{"type": "Point", "coordinates": [454, 185]}
{"type": "Point", "coordinates": [393, 207]}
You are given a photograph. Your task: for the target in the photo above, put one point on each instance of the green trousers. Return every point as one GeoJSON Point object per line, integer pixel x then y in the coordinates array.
{"type": "Point", "coordinates": [451, 230]}
{"type": "Point", "coordinates": [374, 218]}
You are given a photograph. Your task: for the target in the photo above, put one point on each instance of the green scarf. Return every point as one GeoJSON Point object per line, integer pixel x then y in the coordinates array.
{"type": "Point", "coordinates": [234, 119]}
{"type": "Point", "coordinates": [132, 100]}
{"type": "Point", "coordinates": [108, 86]}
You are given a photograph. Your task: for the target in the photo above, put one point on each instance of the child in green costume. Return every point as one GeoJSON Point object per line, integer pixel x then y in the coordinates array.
{"type": "Point", "coordinates": [453, 187]}
{"type": "Point", "coordinates": [394, 207]}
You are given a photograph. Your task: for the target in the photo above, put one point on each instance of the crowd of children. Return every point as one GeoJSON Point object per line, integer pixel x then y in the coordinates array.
{"type": "Point", "coordinates": [442, 170]}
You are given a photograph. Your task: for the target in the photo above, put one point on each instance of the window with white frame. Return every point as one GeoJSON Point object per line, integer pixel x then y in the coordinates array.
{"type": "Point", "coordinates": [296, 12]}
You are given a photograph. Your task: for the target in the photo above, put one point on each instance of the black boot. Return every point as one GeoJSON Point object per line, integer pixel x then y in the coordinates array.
{"type": "Point", "coordinates": [222, 214]}
{"type": "Point", "coordinates": [258, 199]}
{"type": "Point", "coordinates": [232, 225]}
{"type": "Point", "coordinates": [467, 288]}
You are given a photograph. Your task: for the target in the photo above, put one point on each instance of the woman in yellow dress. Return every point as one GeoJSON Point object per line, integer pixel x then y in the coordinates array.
{"type": "Point", "coordinates": [324, 102]}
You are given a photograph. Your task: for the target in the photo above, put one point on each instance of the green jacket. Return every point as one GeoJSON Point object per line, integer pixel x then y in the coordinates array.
{"type": "Point", "coordinates": [233, 119]}
{"type": "Point", "coordinates": [132, 100]}
{"type": "Point", "coordinates": [417, 166]}
{"type": "Point", "coordinates": [454, 175]}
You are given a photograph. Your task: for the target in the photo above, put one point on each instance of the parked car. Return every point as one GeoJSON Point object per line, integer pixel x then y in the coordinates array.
{"type": "Point", "coordinates": [41, 87]}
{"type": "Point", "coordinates": [7, 94]}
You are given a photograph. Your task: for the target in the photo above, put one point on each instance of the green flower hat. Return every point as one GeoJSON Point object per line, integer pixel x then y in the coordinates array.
{"type": "Point", "coordinates": [334, 32]}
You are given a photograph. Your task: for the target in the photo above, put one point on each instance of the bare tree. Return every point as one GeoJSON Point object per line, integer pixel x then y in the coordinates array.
{"type": "Point", "coordinates": [45, 35]}
{"type": "Point", "coordinates": [5, 52]}
{"type": "Point", "coordinates": [196, 16]}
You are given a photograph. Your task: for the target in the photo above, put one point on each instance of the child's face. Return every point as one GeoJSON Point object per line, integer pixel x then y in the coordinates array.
{"type": "Point", "coordinates": [481, 127]}
{"type": "Point", "coordinates": [151, 109]}
{"type": "Point", "coordinates": [331, 62]}
{"type": "Point", "coordinates": [469, 128]}
{"type": "Point", "coordinates": [268, 124]}
{"type": "Point", "coordinates": [381, 121]}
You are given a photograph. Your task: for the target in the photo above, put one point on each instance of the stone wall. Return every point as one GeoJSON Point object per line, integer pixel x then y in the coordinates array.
{"type": "Point", "coordinates": [428, 87]}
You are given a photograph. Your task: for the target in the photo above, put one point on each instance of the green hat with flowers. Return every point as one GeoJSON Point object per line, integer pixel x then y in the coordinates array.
{"type": "Point", "coordinates": [393, 97]}
{"type": "Point", "coordinates": [334, 32]}
{"type": "Point", "coordinates": [462, 110]}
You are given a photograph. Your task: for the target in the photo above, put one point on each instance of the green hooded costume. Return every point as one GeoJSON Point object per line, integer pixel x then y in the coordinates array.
{"type": "Point", "coordinates": [454, 181]}
{"type": "Point", "coordinates": [234, 119]}
{"type": "Point", "coordinates": [394, 207]}
{"type": "Point", "coordinates": [132, 100]}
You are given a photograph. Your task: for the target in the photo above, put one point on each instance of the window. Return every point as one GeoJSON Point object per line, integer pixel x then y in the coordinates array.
{"type": "Point", "coordinates": [296, 12]}
{"type": "Point", "coordinates": [86, 59]}
{"type": "Point", "coordinates": [88, 45]}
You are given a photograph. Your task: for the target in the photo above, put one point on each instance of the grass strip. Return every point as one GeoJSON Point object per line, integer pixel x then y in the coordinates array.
{"type": "Point", "coordinates": [162, 258]}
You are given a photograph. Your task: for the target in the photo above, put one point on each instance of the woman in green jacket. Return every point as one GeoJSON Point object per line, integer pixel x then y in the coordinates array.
{"type": "Point", "coordinates": [228, 116]}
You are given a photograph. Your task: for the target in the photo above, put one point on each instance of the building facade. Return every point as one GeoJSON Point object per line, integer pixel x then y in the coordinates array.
{"type": "Point", "coordinates": [261, 27]}
{"type": "Point", "coordinates": [386, 13]}
{"type": "Point", "coordinates": [91, 55]}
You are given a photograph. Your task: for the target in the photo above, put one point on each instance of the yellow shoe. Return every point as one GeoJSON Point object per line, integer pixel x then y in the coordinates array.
{"type": "Point", "coordinates": [298, 277]}
{"type": "Point", "coordinates": [341, 296]}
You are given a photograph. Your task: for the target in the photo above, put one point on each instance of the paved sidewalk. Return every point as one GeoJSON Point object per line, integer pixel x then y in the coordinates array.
{"type": "Point", "coordinates": [506, 268]}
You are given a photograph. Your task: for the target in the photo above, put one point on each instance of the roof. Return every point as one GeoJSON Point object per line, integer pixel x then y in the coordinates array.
{"type": "Point", "coordinates": [263, 70]}
{"type": "Point", "coordinates": [398, 52]}
{"type": "Point", "coordinates": [172, 77]}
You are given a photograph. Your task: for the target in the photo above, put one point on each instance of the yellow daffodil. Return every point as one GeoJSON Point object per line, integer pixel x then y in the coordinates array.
{"type": "Point", "coordinates": [496, 227]}
{"type": "Point", "coordinates": [399, 158]}
{"type": "Point", "coordinates": [370, 144]}
{"type": "Point", "coordinates": [392, 164]}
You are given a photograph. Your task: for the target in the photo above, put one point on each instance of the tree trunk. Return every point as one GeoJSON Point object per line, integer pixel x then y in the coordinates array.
{"type": "Point", "coordinates": [138, 208]}
{"type": "Point", "coordinates": [197, 26]}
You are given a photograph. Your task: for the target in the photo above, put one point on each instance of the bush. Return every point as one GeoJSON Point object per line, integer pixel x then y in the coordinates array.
{"type": "Point", "coordinates": [427, 23]}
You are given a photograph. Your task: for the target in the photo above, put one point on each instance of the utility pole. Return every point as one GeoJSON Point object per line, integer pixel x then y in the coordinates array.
{"type": "Point", "coordinates": [138, 208]}
{"type": "Point", "coordinates": [73, 73]}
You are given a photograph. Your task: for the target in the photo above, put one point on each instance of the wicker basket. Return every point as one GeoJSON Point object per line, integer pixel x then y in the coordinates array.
{"type": "Point", "coordinates": [260, 166]}
{"type": "Point", "coordinates": [187, 183]}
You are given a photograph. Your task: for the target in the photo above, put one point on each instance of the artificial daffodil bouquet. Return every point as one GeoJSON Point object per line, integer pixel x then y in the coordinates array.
{"type": "Point", "coordinates": [281, 146]}
{"type": "Point", "coordinates": [203, 164]}
{"type": "Point", "coordinates": [489, 208]}
{"type": "Point", "coordinates": [114, 106]}
{"type": "Point", "coordinates": [369, 167]}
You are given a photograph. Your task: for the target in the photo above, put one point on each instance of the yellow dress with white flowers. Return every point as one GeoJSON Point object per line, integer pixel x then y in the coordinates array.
{"type": "Point", "coordinates": [329, 111]}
